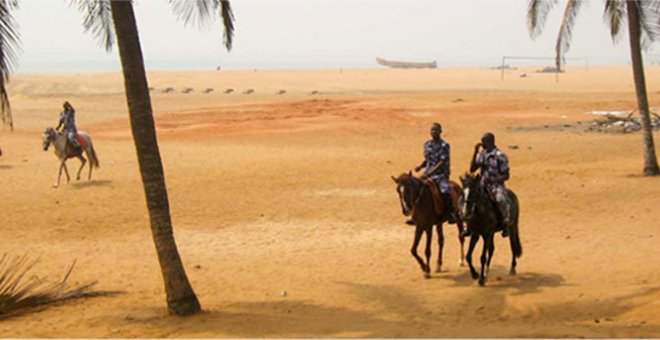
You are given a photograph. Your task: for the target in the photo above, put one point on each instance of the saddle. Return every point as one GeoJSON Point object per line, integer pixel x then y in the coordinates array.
{"type": "Point", "coordinates": [438, 201]}
{"type": "Point", "coordinates": [81, 142]}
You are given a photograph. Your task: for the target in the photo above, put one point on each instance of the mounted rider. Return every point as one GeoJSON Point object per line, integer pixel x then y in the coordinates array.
{"type": "Point", "coordinates": [68, 124]}
{"type": "Point", "coordinates": [494, 168]}
{"type": "Point", "coordinates": [436, 166]}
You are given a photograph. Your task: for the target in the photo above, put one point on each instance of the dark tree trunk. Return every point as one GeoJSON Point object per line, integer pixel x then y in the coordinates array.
{"type": "Point", "coordinates": [650, 160]}
{"type": "Point", "coordinates": [181, 299]}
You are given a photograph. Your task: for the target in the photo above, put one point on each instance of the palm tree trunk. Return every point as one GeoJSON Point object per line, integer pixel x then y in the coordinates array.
{"type": "Point", "coordinates": [181, 299]}
{"type": "Point", "coordinates": [650, 160]}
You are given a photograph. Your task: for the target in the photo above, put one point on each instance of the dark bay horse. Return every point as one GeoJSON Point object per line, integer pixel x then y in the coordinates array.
{"type": "Point", "coordinates": [482, 217]}
{"type": "Point", "coordinates": [417, 202]}
{"type": "Point", "coordinates": [64, 151]}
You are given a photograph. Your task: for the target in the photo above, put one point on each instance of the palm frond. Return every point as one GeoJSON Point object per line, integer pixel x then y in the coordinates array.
{"type": "Point", "coordinates": [566, 31]}
{"type": "Point", "coordinates": [614, 16]}
{"type": "Point", "coordinates": [537, 13]}
{"type": "Point", "coordinates": [98, 20]}
{"type": "Point", "coordinates": [20, 294]}
{"type": "Point", "coordinates": [649, 21]}
{"type": "Point", "coordinates": [227, 22]}
{"type": "Point", "coordinates": [192, 11]}
{"type": "Point", "coordinates": [9, 44]}
{"type": "Point", "coordinates": [199, 12]}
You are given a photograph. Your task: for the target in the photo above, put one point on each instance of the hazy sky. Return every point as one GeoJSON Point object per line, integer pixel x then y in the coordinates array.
{"type": "Point", "coordinates": [315, 34]}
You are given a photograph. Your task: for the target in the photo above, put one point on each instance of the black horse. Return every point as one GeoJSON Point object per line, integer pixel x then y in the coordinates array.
{"type": "Point", "coordinates": [483, 219]}
{"type": "Point", "coordinates": [417, 202]}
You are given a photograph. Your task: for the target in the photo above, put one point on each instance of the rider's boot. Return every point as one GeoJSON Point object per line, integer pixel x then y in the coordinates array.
{"type": "Point", "coordinates": [451, 212]}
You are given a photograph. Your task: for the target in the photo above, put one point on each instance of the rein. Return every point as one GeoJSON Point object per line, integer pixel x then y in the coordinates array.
{"type": "Point", "coordinates": [414, 181]}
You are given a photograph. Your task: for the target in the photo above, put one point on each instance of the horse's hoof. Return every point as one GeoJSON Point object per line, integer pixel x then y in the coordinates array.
{"type": "Point", "coordinates": [427, 275]}
{"type": "Point", "coordinates": [482, 281]}
{"type": "Point", "coordinates": [56, 185]}
{"type": "Point", "coordinates": [512, 272]}
{"type": "Point", "coordinates": [461, 263]}
{"type": "Point", "coordinates": [475, 276]}
{"type": "Point", "coordinates": [438, 270]}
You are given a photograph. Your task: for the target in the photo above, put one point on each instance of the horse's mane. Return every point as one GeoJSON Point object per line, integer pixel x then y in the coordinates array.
{"type": "Point", "coordinates": [407, 178]}
{"type": "Point", "coordinates": [470, 178]}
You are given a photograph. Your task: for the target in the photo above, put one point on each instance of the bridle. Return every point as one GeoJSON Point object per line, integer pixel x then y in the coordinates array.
{"type": "Point", "coordinates": [49, 136]}
{"type": "Point", "coordinates": [403, 188]}
{"type": "Point", "coordinates": [472, 193]}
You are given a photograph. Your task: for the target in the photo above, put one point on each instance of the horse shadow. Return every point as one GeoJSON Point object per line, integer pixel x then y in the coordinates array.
{"type": "Point", "coordinates": [498, 278]}
{"type": "Point", "coordinates": [5, 166]}
{"type": "Point", "coordinates": [92, 183]}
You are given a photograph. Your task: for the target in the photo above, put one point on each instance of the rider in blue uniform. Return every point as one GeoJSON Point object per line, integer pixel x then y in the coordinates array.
{"type": "Point", "coordinates": [494, 168]}
{"type": "Point", "coordinates": [436, 166]}
{"type": "Point", "coordinates": [68, 124]}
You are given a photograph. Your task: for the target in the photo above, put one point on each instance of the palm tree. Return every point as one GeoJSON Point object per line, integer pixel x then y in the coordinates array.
{"type": "Point", "coordinates": [100, 18]}
{"type": "Point", "coordinates": [643, 24]}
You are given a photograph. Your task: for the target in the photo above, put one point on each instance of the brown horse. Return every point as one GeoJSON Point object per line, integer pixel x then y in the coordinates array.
{"type": "Point", "coordinates": [417, 202]}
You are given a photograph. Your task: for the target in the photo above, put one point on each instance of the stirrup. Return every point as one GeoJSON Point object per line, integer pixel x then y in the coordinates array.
{"type": "Point", "coordinates": [410, 222]}
{"type": "Point", "coordinates": [466, 233]}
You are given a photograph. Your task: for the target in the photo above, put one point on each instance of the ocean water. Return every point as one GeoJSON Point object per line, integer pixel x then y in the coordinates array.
{"type": "Point", "coordinates": [112, 64]}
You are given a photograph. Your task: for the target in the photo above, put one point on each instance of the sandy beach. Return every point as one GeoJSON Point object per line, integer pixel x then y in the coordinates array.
{"type": "Point", "coordinates": [289, 224]}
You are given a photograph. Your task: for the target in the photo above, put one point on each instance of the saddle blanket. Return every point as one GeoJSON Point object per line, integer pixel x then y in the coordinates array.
{"type": "Point", "coordinates": [81, 141]}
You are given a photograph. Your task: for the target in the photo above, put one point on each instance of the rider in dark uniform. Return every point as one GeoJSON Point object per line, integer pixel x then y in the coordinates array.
{"type": "Point", "coordinates": [436, 165]}
{"type": "Point", "coordinates": [494, 168]}
{"type": "Point", "coordinates": [68, 123]}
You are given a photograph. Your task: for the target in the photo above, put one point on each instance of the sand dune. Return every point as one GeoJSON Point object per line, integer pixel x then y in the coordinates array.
{"type": "Point", "coordinates": [273, 194]}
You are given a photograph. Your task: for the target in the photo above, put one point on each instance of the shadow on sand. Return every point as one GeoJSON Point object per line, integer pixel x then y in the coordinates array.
{"type": "Point", "coordinates": [498, 278]}
{"type": "Point", "coordinates": [92, 183]}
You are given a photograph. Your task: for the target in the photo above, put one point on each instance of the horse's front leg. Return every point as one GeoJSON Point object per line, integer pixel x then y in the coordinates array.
{"type": "Point", "coordinates": [59, 174]}
{"type": "Point", "coordinates": [427, 251]}
{"type": "Point", "coordinates": [66, 172]}
{"type": "Point", "coordinates": [473, 242]}
{"type": "Point", "coordinates": [83, 161]}
{"type": "Point", "coordinates": [418, 235]}
{"type": "Point", "coordinates": [461, 239]}
{"type": "Point", "coordinates": [441, 244]}
{"type": "Point", "coordinates": [484, 260]}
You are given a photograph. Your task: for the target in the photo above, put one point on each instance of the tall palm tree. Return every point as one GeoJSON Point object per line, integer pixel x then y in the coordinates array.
{"type": "Point", "coordinates": [100, 18]}
{"type": "Point", "coordinates": [643, 24]}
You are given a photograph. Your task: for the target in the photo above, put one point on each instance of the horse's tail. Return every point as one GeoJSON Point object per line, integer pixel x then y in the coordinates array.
{"type": "Point", "coordinates": [94, 160]}
{"type": "Point", "coordinates": [91, 153]}
{"type": "Point", "coordinates": [516, 246]}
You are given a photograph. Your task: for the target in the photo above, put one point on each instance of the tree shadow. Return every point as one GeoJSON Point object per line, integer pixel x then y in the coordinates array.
{"type": "Point", "coordinates": [387, 311]}
{"type": "Point", "coordinates": [273, 319]}
{"type": "Point", "coordinates": [92, 183]}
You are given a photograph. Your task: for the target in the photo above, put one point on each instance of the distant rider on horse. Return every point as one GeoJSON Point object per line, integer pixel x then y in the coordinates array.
{"type": "Point", "coordinates": [494, 168]}
{"type": "Point", "coordinates": [68, 123]}
{"type": "Point", "coordinates": [436, 166]}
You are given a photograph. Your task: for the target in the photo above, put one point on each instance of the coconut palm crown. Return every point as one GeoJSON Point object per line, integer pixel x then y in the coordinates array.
{"type": "Point", "coordinates": [643, 18]}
